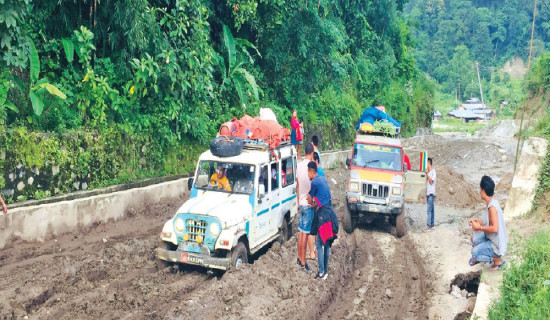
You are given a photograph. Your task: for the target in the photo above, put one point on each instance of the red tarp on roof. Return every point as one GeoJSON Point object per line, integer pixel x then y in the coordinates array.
{"type": "Point", "coordinates": [254, 128]}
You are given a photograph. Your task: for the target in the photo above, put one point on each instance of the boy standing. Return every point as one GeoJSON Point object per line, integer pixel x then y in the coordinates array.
{"type": "Point", "coordinates": [430, 194]}
{"type": "Point", "coordinates": [304, 209]}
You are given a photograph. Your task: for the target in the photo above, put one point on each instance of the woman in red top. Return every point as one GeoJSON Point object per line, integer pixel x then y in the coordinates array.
{"type": "Point", "coordinates": [296, 136]}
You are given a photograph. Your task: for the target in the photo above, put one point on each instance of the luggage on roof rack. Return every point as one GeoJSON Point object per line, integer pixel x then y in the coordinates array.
{"type": "Point", "coordinates": [268, 131]}
{"type": "Point", "coordinates": [380, 128]}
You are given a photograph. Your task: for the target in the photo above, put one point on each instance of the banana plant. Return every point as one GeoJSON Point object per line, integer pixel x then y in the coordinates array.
{"type": "Point", "coordinates": [39, 87]}
{"type": "Point", "coordinates": [235, 72]}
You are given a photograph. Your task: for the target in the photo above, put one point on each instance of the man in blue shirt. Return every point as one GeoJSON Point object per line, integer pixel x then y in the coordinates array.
{"type": "Point", "coordinates": [319, 198]}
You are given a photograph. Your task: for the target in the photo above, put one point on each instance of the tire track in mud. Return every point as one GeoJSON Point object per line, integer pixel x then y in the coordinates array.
{"type": "Point", "coordinates": [382, 285]}
{"type": "Point", "coordinates": [104, 271]}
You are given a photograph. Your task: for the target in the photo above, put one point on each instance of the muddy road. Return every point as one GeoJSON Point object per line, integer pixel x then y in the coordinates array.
{"type": "Point", "coordinates": [109, 271]}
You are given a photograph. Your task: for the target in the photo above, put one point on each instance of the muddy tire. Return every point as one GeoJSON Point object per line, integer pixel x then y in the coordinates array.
{"type": "Point", "coordinates": [284, 233]}
{"type": "Point", "coordinates": [226, 146]}
{"type": "Point", "coordinates": [162, 264]}
{"type": "Point", "coordinates": [348, 222]}
{"type": "Point", "coordinates": [239, 255]}
{"type": "Point", "coordinates": [400, 227]}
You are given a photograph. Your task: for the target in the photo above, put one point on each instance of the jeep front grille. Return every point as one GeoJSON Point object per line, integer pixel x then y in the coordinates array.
{"type": "Point", "coordinates": [375, 191]}
{"type": "Point", "coordinates": [195, 228]}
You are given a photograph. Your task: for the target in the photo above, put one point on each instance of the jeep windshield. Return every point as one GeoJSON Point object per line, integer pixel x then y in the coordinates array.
{"type": "Point", "coordinates": [376, 157]}
{"type": "Point", "coordinates": [225, 177]}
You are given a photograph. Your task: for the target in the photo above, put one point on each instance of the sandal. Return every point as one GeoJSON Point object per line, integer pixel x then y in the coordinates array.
{"type": "Point", "coordinates": [472, 262]}
{"type": "Point", "coordinates": [496, 267]}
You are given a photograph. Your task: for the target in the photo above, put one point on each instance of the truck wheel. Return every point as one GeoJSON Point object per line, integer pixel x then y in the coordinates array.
{"type": "Point", "coordinates": [239, 255]}
{"type": "Point", "coordinates": [400, 227]}
{"type": "Point", "coordinates": [283, 232]}
{"type": "Point", "coordinates": [348, 222]}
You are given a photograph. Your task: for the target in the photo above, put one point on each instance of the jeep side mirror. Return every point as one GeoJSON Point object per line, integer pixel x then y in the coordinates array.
{"type": "Point", "coordinates": [261, 190]}
{"type": "Point", "coordinates": [348, 162]}
{"type": "Point", "coordinates": [190, 183]}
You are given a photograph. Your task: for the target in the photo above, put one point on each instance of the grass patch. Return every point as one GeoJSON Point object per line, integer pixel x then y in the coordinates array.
{"type": "Point", "coordinates": [444, 102]}
{"type": "Point", "coordinates": [525, 289]}
{"type": "Point", "coordinates": [456, 125]}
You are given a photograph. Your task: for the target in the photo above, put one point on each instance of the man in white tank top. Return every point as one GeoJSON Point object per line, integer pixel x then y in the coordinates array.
{"type": "Point", "coordinates": [490, 244]}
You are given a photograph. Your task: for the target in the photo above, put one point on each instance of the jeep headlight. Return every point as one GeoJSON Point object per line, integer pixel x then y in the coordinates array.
{"type": "Point", "coordinates": [179, 224]}
{"type": "Point", "coordinates": [214, 229]}
{"type": "Point", "coordinates": [354, 186]}
{"type": "Point", "coordinates": [396, 191]}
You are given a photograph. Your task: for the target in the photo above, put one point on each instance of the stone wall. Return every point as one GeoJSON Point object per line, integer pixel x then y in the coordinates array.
{"type": "Point", "coordinates": [38, 165]}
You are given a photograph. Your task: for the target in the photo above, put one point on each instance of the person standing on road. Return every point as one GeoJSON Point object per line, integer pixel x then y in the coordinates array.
{"type": "Point", "coordinates": [4, 207]}
{"type": "Point", "coordinates": [491, 243]}
{"type": "Point", "coordinates": [303, 186]}
{"type": "Point", "coordinates": [315, 142]}
{"type": "Point", "coordinates": [430, 194]}
{"type": "Point", "coordinates": [296, 135]}
{"type": "Point", "coordinates": [325, 222]}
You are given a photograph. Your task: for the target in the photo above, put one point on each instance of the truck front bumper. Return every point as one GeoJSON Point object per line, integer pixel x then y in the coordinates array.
{"type": "Point", "coordinates": [197, 259]}
{"type": "Point", "coordinates": [361, 208]}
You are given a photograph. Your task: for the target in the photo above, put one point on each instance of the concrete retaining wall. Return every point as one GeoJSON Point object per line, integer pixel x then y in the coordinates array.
{"type": "Point", "coordinates": [42, 221]}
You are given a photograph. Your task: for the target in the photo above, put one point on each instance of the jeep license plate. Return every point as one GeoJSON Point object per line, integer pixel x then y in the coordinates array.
{"type": "Point", "coordinates": [187, 259]}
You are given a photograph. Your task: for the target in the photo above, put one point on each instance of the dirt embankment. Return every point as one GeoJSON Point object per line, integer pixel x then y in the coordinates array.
{"type": "Point", "coordinates": [453, 190]}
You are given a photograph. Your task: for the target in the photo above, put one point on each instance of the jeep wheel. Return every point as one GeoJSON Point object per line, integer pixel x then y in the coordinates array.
{"type": "Point", "coordinates": [162, 264]}
{"type": "Point", "coordinates": [348, 222]}
{"type": "Point", "coordinates": [400, 227]}
{"type": "Point", "coordinates": [239, 255]}
{"type": "Point", "coordinates": [283, 231]}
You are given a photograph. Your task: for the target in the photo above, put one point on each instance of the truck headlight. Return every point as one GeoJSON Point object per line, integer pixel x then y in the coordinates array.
{"type": "Point", "coordinates": [396, 191]}
{"type": "Point", "coordinates": [179, 224]}
{"type": "Point", "coordinates": [214, 229]}
{"type": "Point", "coordinates": [354, 186]}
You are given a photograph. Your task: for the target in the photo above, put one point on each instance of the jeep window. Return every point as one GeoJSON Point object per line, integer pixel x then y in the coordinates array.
{"type": "Point", "coordinates": [264, 178]}
{"type": "Point", "coordinates": [287, 172]}
{"type": "Point", "coordinates": [274, 176]}
{"type": "Point", "coordinates": [376, 157]}
{"type": "Point", "coordinates": [235, 178]}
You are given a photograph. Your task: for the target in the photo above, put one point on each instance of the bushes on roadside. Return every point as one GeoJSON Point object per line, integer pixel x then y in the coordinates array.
{"type": "Point", "coordinates": [525, 290]}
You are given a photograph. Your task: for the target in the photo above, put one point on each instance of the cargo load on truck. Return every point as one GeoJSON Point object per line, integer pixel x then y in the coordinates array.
{"type": "Point", "coordinates": [262, 130]}
{"type": "Point", "coordinates": [376, 120]}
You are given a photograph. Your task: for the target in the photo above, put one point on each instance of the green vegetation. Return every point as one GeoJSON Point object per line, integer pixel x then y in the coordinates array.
{"type": "Point", "coordinates": [170, 72]}
{"type": "Point", "coordinates": [525, 290]}
{"type": "Point", "coordinates": [451, 36]}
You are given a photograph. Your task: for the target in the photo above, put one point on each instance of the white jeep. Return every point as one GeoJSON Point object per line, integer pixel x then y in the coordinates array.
{"type": "Point", "coordinates": [220, 227]}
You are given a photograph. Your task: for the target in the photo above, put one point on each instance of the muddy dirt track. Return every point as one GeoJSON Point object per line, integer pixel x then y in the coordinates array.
{"type": "Point", "coordinates": [109, 271]}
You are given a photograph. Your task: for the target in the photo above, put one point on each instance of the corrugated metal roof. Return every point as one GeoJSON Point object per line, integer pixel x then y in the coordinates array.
{"type": "Point", "coordinates": [465, 114]}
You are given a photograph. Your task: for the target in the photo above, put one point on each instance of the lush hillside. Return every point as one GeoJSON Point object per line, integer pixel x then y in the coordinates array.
{"type": "Point", "coordinates": [169, 72]}
{"type": "Point", "coordinates": [450, 36]}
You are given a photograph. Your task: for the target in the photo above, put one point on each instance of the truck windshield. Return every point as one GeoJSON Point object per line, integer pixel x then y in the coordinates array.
{"type": "Point", "coordinates": [376, 157]}
{"type": "Point", "coordinates": [225, 177]}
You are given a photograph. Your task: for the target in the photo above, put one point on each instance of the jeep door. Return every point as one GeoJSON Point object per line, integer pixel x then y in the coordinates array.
{"type": "Point", "coordinates": [262, 212]}
{"type": "Point", "coordinates": [288, 190]}
{"type": "Point", "coordinates": [415, 186]}
{"type": "Point", "coordinates": [275, 190]}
